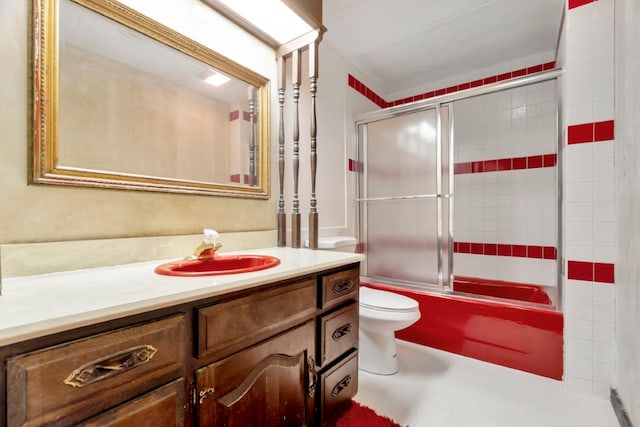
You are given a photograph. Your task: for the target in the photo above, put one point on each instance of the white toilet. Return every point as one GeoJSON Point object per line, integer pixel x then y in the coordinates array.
{"type": "Point", "coordinates": [381, 314]}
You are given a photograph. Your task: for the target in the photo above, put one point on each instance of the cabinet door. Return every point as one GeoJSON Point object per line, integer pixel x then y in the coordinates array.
{"type": "Point", "coordinates": [269, 384]}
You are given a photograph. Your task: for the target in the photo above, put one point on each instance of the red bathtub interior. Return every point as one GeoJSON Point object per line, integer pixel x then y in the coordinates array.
{"type": "Point", "coordinates": [525, 338]}
{"type": "Point", "coordinates": [501, 289]}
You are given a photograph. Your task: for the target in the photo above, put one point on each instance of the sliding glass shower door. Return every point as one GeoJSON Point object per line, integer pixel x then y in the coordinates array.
{"type": "Point", "coordinates": [507, 169]}
{"type": "Point", "coordinates": [404, 196]}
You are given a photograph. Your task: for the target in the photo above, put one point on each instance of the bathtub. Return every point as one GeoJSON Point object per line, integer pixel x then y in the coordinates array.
{"type": "Point", "coordinates": [527, 337]}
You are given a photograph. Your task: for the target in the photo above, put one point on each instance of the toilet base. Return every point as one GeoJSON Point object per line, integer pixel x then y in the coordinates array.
{"type": "Point", "coordinates": [377, 353]}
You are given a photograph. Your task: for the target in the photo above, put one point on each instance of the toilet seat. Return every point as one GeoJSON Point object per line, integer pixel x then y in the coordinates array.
{"type": "Point", "coordinates": [375, 299]}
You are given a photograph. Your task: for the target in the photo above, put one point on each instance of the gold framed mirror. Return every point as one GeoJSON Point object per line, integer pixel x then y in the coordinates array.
{"type": "Point", "coordinates": [121, 101]}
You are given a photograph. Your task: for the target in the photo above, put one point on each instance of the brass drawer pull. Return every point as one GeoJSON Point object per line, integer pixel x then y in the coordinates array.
{"type": "Point", "coordinates": [110, 366]}
{"type": "Point", "coordinates": [344, 383]}
{"type": "Point", "coordinates": [341, 331]}
{"type": "Point", "coordinates": [342, 286]}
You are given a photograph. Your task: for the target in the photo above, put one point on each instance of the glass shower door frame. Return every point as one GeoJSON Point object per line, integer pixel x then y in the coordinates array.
{"type": "Point", "coordinates": [444, 252]}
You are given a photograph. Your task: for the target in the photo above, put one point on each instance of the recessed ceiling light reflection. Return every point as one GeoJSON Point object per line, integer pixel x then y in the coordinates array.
{"type": "Point", "coordinates": [217, 79]}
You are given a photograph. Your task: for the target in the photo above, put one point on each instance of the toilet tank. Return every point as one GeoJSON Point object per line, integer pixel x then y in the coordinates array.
{"type": "Point", "coordinates": [336, 243]}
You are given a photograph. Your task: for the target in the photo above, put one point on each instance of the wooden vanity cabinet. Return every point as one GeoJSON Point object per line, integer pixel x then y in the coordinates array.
{"type": "Point", "coordinates": [280, 354]}
{"type": "Point", "coordinates": [270, 350]}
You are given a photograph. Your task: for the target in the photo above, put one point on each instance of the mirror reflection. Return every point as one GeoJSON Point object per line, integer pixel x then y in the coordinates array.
{"type": "Point", "coordinates": [139, 106]}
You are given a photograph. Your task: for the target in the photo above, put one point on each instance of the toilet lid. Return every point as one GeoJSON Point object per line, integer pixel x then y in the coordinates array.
{"type": "Point", "coordinates": [384, 300]}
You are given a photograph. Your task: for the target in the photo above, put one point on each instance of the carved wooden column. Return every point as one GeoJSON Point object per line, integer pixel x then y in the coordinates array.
{"type": "Point", "coordinates": [313, 212]}
{"type": "Point", "coordinates": [282, 216]}
{"type": "Point", "coordinates": [295, 216]}
{"type": "Point", "coordinates": [292, 51]}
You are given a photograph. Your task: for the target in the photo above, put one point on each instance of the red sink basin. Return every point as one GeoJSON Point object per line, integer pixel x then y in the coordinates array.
{"type": "Point", "coordinates": [223, 264]}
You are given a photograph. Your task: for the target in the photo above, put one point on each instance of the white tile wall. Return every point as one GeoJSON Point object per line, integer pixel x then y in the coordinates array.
{"type": "Point", "coordinates": [590, 235]}
{"type": "Point", "coordinates": [509, 207]}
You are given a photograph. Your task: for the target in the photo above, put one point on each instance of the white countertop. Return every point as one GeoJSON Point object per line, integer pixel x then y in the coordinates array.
{"type": "Point", "coordinates": [34, 306]}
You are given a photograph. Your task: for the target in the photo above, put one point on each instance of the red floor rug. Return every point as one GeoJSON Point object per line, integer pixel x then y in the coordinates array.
{"type": "Point", "coordinates": [358, 415]}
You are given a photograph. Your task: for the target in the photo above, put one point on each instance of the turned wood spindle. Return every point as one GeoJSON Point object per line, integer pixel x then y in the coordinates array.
{"type": "Point", "coordinates": [282, 216]}
{"type": "Point", "coordinates": [313, 212]}
{"type": "Point", "coordinates": [295, 216]}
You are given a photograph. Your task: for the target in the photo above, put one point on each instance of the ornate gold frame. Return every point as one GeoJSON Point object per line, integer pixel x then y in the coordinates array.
{"type": "Point", "coordinates": [43, 165]}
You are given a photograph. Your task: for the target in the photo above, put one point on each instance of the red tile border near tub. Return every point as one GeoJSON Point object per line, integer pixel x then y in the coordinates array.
{"type": "Point", "coordinates": [591, 271]}
{"type": "Point", "coordinates": [380, 102]}
{"type": "Point", "coordinates": [501, 249]}
{"type": "Point", "coordinates": [506, 164]}
{"type": "Point", "coordinates": [590, 132]}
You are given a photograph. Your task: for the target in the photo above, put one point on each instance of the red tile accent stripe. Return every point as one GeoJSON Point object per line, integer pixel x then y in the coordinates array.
{"type": "Point", "coordinates": [368, 93]}
{"type": "Point", "coordinates": [578, 3]}
{"type": "Point", "coordinates": [354, 166]}
{"type": "Point", "coordinates": [506, 164]}
{"type": "Point", "coordinates": [591, 132]}
{"type": "Point", "coordinates": [591, 271]}
{"type": "Point", "coordinates": [377, 99]}
{"type": "Point", "coordinates": [234, 115]}
{"type": "Point", "coordinates": [501, 249]}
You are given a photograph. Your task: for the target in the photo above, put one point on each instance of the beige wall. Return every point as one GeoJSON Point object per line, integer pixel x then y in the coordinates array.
{"type": "Point", "coordinates": [114, 117]}
{"type": "Point", "coordinates": [31, 213]}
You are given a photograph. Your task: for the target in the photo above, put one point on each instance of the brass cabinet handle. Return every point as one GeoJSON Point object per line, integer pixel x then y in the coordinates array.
{"type": "Point", "coordinates": [342, 286]}
{"type": "Point", "coordinates": [313, 376]}
{"type": "Point", "coordinates": [344, 383]}
{"type": "Point", "coordinates": [341, 331]}
{"type": "Point", "coordinates": [205, 393]}
{"type": "Point", "coordinates": [110, 365]}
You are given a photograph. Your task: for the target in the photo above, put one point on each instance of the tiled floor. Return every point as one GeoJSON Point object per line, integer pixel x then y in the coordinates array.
{"type": "Point", "coordinates": [437, 389]}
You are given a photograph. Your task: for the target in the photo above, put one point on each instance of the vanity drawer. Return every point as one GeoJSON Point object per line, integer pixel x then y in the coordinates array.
{"type": "Point", "coordinates": [71, 382]}
{"type": "Point", "coordinates": [230, 326]}
{"type": "Point", "coordinates": [339, 287]}
{"type": "Point", "coordinates": [338, 332]}
{"type": "Point", "coordinates": [338, 385]}
{"type": "Point", "coordinates": [161, 407]}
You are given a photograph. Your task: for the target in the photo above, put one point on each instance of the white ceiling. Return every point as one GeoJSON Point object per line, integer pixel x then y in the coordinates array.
{"type": "Point", "coordinates": [403, 44]}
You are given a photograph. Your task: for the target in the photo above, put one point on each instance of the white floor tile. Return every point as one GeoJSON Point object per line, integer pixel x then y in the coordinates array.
{"type": "Point", "coordinates": [439, 389]}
